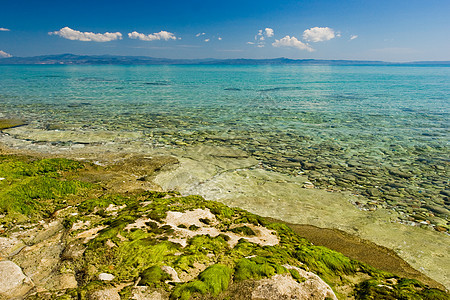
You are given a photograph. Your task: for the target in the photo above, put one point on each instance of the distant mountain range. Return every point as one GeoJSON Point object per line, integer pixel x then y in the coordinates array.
{"type": "Point", "coordinates": [71, 59]}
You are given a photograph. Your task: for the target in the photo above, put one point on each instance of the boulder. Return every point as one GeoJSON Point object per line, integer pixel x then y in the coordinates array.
{"type": "Point", "coordinates": [13, 283]}
{"type": "Point", "coordinates": [283, 286]}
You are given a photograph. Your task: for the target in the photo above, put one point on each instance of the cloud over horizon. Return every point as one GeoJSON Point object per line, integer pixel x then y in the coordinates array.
{"type": "Point", "coordinates": [3, 54]}
{"type": "Point", "coordinates": [260, 37]}
{"type": "Point", "coordinates": [319, 34]}
{"type": "Point", "coordinates": [157, 36]}
{"type": "Point", "coordinates": [76, 35]}
{"type": "Point", "coordinates": [293, 42]}
{"type": "Point", "coordinates": [353, 36]}
{"type": "Point", "coordinates": [4, 29]}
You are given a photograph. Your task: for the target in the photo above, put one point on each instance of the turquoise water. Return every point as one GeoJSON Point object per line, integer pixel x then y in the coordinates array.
{"type": "Point", "coordinates": [379, 131]}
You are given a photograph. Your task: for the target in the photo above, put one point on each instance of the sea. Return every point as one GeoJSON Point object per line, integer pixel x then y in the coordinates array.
{"type": "Point", "coordinates": [379, 133]}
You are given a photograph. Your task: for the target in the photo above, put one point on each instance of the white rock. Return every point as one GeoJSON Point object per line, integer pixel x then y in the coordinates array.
{"type": "Point", "coordinates": [105, 276]}
{"type": "Point", "coordinates": [13, 283]}
{"type": "Point", "coordinates": [171, 271]}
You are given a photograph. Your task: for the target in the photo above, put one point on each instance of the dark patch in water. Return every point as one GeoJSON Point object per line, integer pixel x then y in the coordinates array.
{"type": "Point", "coordinates": [78, 104]}
{"type": "Point", "coordinates": [232, 89]}
{"type": "Point", "coordinates": [287, 88]}
{"type": "Point", "coordinates": [94, 79]}
{"type": "Point", "coordinates": [158, 83]}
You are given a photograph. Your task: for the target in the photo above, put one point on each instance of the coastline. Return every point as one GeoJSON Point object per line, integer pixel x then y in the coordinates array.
{"type": "Point", "coordinates": [222, 174]}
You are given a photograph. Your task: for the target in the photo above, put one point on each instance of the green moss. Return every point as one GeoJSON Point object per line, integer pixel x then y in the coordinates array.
{"type": "Point", "coordinates": [34, 188]}
{"type": "Point", "coordinates": [213, 280]}
{"type": "Point", "coordinates": [153, 276]}
{"type": "Point", "coordinates": [245, 230]}
{"type": "Point", "coordinates": [403, 289]}
{"type": "Point", "coordinates": [294, 273]}
{"type": "Point", "coordinates": [326, 262]}
{"type": "Point", "coordinates": [256, 268]}
{"type": "Point", "coordinates": [194, 227]}
{"type": "Point", "coordinates": [205, 221]}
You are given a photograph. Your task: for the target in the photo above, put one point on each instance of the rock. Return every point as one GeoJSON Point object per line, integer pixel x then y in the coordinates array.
{"type": "Point", "coordinates": [171, 271]}
{"type": "Point", "coordinates": [10, 246]}
{"type": "Point", "coordinates": [445, 193]}
{"type": "Point", "coordinates": [374, 192]}
{"type": "Point", "coordinates": [106, 294]}
{"type": "Point", "coordinates": [285, 287]}
{"type": "Point", "coordinates": [438, 210]}
{"type": "Point", "coordinates": [13, 283]}
{"type": "Point", "coordinates": [145, 293]}
{"type": "Point", "coordinates": [62, 282]}
{"type": "Point", "coordinates": [105, 277]}
{"type": "Point", "coordinates": [39, 261]}
{"type": "Point", "coordinates": [73, 251]}
{"type": "Point", "coordinates": [11, 123]}
{"type": "Point", "coordinates": [440, 229]}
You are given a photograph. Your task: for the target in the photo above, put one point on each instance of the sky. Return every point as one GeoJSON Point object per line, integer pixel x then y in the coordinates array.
{"type": "Point", "coordinates": [388, 30]}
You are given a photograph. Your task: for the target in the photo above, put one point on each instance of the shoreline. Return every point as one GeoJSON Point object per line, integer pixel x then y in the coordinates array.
{"type": "Point", "coordinates": [334, 238]}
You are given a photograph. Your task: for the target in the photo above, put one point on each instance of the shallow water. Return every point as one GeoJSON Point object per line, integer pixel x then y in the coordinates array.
{"type": "Point", "coordinates": [379, 131]}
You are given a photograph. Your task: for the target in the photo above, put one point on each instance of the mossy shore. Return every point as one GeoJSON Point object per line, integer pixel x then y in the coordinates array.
{"type": "Point", "coordinates": [76, 233]}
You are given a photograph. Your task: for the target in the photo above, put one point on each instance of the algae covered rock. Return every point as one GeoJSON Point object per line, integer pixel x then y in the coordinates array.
{"type": "Point", "coordinates": [94, 243]}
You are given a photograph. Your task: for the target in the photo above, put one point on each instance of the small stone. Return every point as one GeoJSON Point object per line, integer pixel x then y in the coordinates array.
{"type": "Point", "coordinates": [105, 276]}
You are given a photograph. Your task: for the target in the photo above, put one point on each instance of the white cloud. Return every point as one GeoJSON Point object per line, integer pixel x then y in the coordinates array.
{"type": "Point", "coordinates": [288, 41]}
{"type": "Point", "coordinates": [3, 54]}
{"type": "Point", "coordinates": [250, 43]}
{"type": "Point", "coordinates": [4, 29]}
{"type": "Point", "coordinates": [319, 34]}
{"type": "Point", "coordinates": [199, 34]}
{"type": "Point", "coordinates": [207, 40]}
{"type": "Point", "coordinates": [353, 36]}
{"type": "Point", "coordinates": [261, 36]}
{"type": "Point", "coordinates": [162, 35]}
{"type": "Point", "coordinates": [268, 32]}
{"type": "Point", "coordinates": [76, 35]}
{"type": "Point", "coordinates": [219, 38]}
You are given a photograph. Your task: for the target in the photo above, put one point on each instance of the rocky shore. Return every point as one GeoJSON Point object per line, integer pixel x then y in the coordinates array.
{"type": "Point", "coordinates": [74, 229]}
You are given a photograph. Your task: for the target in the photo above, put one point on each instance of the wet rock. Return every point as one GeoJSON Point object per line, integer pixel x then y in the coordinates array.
{"type": "Point", "coordinates": [440, 228]}
{"type": "Point", "coordinates": [11, 123]}
{"type": "Point", "coordinates": [397, 172]}
{"type": "Point", "coordinates": [106, 294]}
{"type": "Point", "coordinates": [13, 283]}
{"type": "Point", "coordinates": [438, 210]}
{"type": "Point", "coordinates": [445, 193]}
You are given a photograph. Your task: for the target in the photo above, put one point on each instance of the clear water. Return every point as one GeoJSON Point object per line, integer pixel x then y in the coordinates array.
{"type": "Point", "coordinates": [386, 126]}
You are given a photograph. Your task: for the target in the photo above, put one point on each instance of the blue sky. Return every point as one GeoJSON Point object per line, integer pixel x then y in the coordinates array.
{"type": "Point", "coordinates": [394, 30]}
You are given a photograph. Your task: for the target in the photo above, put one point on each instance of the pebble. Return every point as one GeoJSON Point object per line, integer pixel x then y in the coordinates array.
{"type": "Point", "coordinates": [105, 277]}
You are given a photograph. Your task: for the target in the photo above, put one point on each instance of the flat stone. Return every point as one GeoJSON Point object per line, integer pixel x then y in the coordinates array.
{"type": "Point", "coordinates": [10, 246]}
